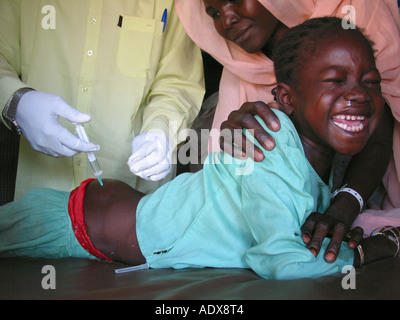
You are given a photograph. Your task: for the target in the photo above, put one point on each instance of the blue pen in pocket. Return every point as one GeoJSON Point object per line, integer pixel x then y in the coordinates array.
{"type": "Point", "coordinates": [164, 19]}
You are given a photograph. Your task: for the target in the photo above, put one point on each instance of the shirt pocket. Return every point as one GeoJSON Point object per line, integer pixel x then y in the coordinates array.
{"type": "Point", "coordinates": [139, 47]}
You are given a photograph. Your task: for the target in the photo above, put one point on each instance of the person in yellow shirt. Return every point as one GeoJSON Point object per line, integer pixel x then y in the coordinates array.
{"type": "Point", "coordinates": [126, 70]}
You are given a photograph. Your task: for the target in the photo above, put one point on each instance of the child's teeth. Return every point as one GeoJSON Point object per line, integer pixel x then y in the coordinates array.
{"type": "Point", "coordinates": [346, 127]}
{"type": "Point", "coordinates": [356, 127]}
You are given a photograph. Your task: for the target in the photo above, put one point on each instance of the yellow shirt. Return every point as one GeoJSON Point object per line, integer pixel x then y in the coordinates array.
{"type": "Point", "coordinates": [131, 74]}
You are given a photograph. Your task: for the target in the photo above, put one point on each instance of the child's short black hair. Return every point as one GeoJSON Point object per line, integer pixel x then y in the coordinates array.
{"type": "Point", "coordinates": [301, 42]}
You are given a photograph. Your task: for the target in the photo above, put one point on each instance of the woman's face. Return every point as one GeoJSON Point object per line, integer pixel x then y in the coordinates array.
{"type": "Point", "coordinates": [247, 23]}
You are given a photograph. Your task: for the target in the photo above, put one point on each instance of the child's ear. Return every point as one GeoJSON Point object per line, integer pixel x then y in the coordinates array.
{"type": "Point", "coordinates": [284, 98]}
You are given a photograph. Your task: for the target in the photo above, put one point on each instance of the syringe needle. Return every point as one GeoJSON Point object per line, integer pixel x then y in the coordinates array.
{"type": "Point", "coordinates": [94, 164]}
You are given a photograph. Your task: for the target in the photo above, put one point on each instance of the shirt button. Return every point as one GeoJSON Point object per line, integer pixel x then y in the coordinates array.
{"type": "Point", "coordinates": [84, 89]}
{"type": "Point", "coordinates": [93, 20]}
{"type": "Point", "coordinates": [90, 53]}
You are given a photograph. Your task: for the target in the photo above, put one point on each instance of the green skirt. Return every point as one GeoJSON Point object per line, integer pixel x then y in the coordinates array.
{"type": "Point", "coordinates": [39, 226]}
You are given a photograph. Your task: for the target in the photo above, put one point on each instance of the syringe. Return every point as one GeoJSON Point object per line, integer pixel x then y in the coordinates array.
{"type": "Point", "coordinates": [90, 155]}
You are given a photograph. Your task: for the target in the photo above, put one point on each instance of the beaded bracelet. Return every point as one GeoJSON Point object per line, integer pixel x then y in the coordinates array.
{"type": "Point", "coordinates": [395, 238]}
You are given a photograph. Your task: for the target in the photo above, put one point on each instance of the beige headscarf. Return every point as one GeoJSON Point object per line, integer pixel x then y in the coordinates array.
{"type": "Point", "coordinates": [250, 77]}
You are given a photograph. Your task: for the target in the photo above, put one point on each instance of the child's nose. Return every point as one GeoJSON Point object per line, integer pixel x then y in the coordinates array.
{"type": "Point", "coordinates": [357, 94]}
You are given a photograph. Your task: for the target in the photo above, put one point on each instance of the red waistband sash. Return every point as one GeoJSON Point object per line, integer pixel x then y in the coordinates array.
{"type": "Point", "coordinates": [76, 213]}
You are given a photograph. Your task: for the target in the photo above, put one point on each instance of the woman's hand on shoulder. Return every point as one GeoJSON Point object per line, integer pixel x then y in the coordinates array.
{"type": "Point", "coordinates": [244, 118]}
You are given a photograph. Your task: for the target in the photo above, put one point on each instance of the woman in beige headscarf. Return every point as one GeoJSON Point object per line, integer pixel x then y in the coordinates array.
{"type": "Point", "coordinates": [250, 76]}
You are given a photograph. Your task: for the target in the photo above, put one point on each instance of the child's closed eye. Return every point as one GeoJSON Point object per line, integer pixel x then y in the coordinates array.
{"type": "Point", "coordinates": [334, 80]}
{"type": "Point", "coordinates": [372, 79]}
{"type": "Point", "coordinates": [372, 83]}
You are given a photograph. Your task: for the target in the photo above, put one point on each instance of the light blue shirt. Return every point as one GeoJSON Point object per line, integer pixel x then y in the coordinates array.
{"type": "Point", "coordinates": [225, 216]}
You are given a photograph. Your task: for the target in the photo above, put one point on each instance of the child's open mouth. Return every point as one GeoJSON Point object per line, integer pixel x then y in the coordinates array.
{"type": "Point", "coordinates": [350, 123]}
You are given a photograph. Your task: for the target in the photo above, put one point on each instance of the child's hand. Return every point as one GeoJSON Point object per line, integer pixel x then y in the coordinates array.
{"type": "Point", "coordinates": [318, 226]}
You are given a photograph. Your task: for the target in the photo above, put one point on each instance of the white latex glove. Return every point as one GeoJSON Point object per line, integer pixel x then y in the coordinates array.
{"type": "Point", "coordinates": [151, 156]}
{"type": "Point", "coordinates": [37, 116]}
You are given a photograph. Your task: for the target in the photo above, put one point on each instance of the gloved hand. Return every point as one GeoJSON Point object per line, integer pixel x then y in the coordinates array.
{"type": "Point", "coordinates": [37, 116]}
{"type": "Point", "coordinates": [151, 156]}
